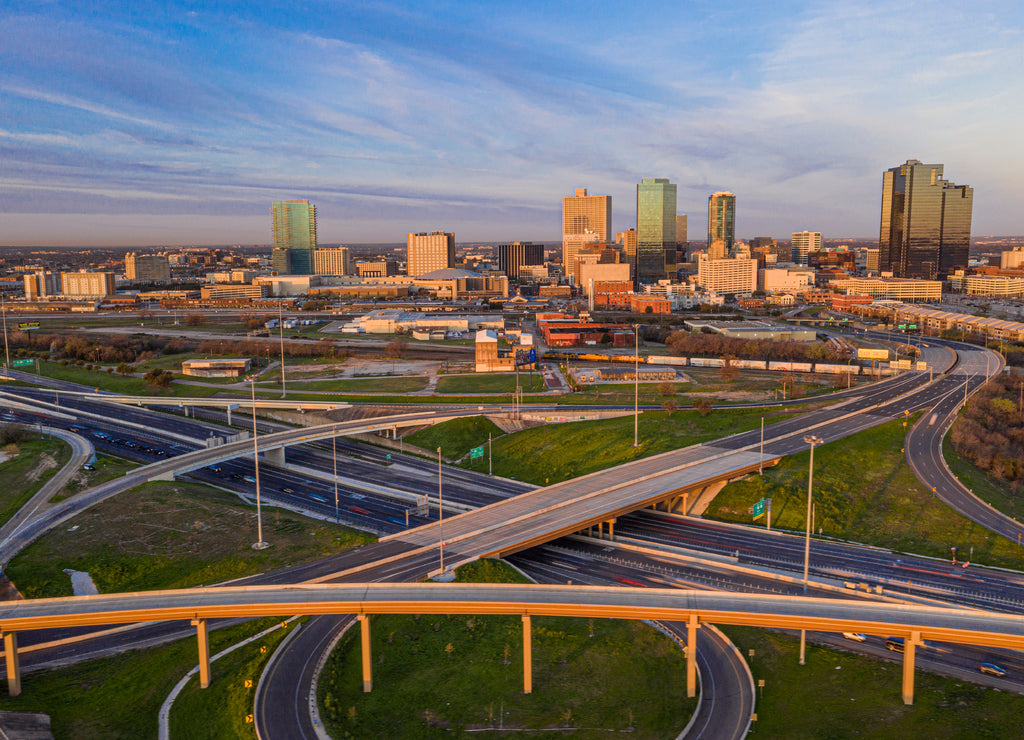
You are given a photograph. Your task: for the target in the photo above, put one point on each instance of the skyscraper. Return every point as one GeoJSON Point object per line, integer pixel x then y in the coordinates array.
{"type": "Point", "coordinates": [295, 230]}
{"type": "Point", "coordinates": [805, 242]}
{"type": "Point", "coordinates": [429, 252]}
{"type": "Point", "coordinates": [586, 219]}
{"type": "Point", "coordinates": [655, 229]}
{"type": "Point", "coordinates": [512, 257]}
{"type": "Point", "coordinates": [721, 222]}
{"type": "Point", "coordinates": [925, 228]}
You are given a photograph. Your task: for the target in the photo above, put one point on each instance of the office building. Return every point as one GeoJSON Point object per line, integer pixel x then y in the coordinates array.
{"type": "Point", "coordinates": [147, 268]}
{"type": "Point", "coordinates": [513, 257]}
{"type": "Point", "coordinates": [721, 224]}
{"type": "Point", "coordinates": [727, 276]}
{"type": "Point", "coordinates": [429, 251]}
{"type": "Point", "coordinates": [332, 261]}
{"type": "Point", "coordinates": [87, 284]}
{"type": "Point", "coordinates": [294, 224]}
{"type": "Point", "coordinates": [805, 242]}
{"type": "Point", "coordinates": [681, 233]}
{"type": "Point", "coordinates": [376, 268]}
{"type": "Point", "coordinates": [281, 261]}
{"type": "Point", "coordinates": [586, 219]}
{"type": "Point", "coordinates": [42, 285]}
{"type": "Point", "coordinates": [655, 229]}
{"type": "Point", "coordinates": [871, 260]}
{"type": "Point", "coordinates": [925, 227]}
{"type": "Point", "coordinates": [1012, 259]}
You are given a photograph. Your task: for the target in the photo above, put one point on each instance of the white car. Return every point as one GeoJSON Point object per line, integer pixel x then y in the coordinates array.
{"type": "Point", "coordinates": [855, 636]}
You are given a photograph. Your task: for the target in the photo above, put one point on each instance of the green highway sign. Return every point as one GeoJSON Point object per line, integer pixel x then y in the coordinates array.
{"type": "Point", "coordinates": [759, 508]}
{"type": "Point", "coordinates": [22, 363]}
{"type": "Point", "coordinates": [476, 452]}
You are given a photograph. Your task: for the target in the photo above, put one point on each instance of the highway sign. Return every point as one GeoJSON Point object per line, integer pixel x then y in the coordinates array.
{"type": "Point", "coordinates": [28, 325]}
{"type": "Point", "coordinates": [759, 508]}
{"type": "Point", "coordinates": [476, 452]}
{"type": "Point", "coordinates": [22, 363]}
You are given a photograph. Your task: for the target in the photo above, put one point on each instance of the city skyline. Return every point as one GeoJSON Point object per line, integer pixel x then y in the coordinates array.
{"type": "Point", "coordinates": [150, 124]}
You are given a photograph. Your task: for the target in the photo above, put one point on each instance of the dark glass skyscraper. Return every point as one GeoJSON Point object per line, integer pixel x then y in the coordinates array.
{"type": "Point", "coordinates": [295, 230]}
{"type": "Point", "coordinates": [926, 222]}
{"type": "Point", "coordinates": [721, 223]}
{"type": "Point", "coordinates": [513, 256]}
{"type": "Point", "coordinates": [655, 229]}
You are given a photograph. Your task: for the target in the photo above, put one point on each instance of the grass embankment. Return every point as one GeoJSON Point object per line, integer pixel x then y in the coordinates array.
{"type": "Point", "coordinates": [219, 711]}
{"type": "Point", "coordinates": [842, 695]}
{"type": "Point", "coordinates": [456, 437]}
{"type": "Point", "coordinates": [983, 485]}
{"type": "Point", "coordinates": [37, 461]}
{"type": "Point", "coordinates": [490, 383]}
{"type": "Point", "coordinates": [119, 698]}
{"type": "Point", "coordinates": [438, 676]}
{"type": "Point", "coordinates": [864, 491]}
{"type": "Point", "coordinates": [107, 467]}
{"type": "Point", "coordinates": [383, 384]}
{"type": "Point", "coordinates": [171, 535]}
{"type": "Point", "coordinates": [557, 452]}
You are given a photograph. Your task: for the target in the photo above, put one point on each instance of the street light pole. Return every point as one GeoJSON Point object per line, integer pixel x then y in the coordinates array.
{"type": "Point", "coordinates": [280, 327]}
{"type": "Point", "coordinates": [334, 448]}
{"type": "Point", "coordinates": [812, 440]}
{"type": "Point", "coordinates": [259, 544]}
{"type": "Point", "coordinates": [760, 467]}
{"type": "Point", "coordinates": [636, 387]}
{"type": "Point", "coordinates": [440, 509]}
{"type": "Point", "coordinates": [7, 349]}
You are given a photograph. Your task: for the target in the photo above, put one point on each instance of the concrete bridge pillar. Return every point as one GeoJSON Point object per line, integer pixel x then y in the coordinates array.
{"type": "Point", "coordinates": [691, 656]}
{"type": "Point", "coordinates": [203, 639]}
{"type": "Point", "coordinates": [275, 457]}
{"type": "Point", "coordinates": [527, 655]}
{"type": "Point", "coordinates": [13, 663]}
{"type": "Point", "coordinates": [611, 529]}
{"type": "Point", "coordinates": [909, 646]}
{"type": "Point", "coordinates": [364, 638]}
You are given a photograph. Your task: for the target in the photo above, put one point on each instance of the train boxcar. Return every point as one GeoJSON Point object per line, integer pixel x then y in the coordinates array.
{"type": "Point", "coordinates": [821, 367]}
{"type": "Point", "coordinates": [750, 364]}
{"type": "Point", "coordinates": [666, 360]}
{"type": "Point", "coordinates": [707, 362]}
{"type": "Point", "coordinates": [796, 367]}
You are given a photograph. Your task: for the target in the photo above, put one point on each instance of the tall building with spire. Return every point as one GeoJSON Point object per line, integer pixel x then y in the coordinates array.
{"type": "Point", "coordinates": [586, 219]}
{"type": "Point", "coordinates": [655, 229]}
{"type": "Point", "coordinates": [721, 224]}
{"type": "Point", "coordinates": [925, 228]}
{"type": "Point", "coordinates": [294, 224]}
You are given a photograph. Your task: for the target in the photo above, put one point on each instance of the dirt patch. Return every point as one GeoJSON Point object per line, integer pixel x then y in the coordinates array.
{"type": "Point", "coordinates": [46, 463]}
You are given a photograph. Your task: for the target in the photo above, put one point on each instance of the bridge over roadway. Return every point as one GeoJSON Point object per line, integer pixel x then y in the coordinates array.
{"type": "Point", "coordinates": [912, 622]}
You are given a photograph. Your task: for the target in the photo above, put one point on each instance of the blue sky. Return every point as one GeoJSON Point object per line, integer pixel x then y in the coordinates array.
{"type": "Point", "coordinates": [178, 123]}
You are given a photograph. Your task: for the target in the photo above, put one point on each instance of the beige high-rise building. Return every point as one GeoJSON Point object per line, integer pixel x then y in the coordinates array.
{"type": "Point", "coordinates": [147, 268]}
{"type": "Point", "coordinates": [729, 276]}
{"type": "Point", "coordinates": [871, 260]}
{"type": "Point", "coordinates": [332, 261]}
{"type": "Point", "coordinates": [429, 251]}
{"type": "Point", "coordinates": [586, 219]}
{"type": "Point", "coordinates": [41, 285]}
{"type": "Point", "coordinates": [87, 284]}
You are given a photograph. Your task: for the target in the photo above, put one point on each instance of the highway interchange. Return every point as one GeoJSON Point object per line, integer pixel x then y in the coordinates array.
{"type": "Point", "coordinates": [363, 465]}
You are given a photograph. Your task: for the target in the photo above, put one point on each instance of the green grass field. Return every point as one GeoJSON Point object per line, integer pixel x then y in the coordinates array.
{"type": "Point", "coordinates": [438, 676]}
{"type": "Point", "coordinates": [490, 383]}
{"type": "Point", "coordinates": [982, 484]}
{"type": "Point", "coordinates": [119, 698]}
{"type": "Point", "coordinates": [839, 695]}
{"type": "Point", "coordinates": [37, 461]}
{"type": "Point", "coordinates": [171, 535]}
{"type": "Point", "coordinates": [456, 437]}
{"type": "Point", "coordinates": [386, 384]}
{"type": "Point", "coordinates": [557, 452]}
{"type": "Point", "coordinates": [864, 491]}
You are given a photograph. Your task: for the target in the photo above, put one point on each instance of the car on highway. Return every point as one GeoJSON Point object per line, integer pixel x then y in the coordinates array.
{"type": "Point", "coordinates": [88, 466]}
{"type": "Point", "coordinates": [213, 468]}
{"type": "Point", "coordinates": [991, 669]}
{"type": "Point", "coordinates": [894, 643]}
{"type": "Point", "coordinates": [855, 636]}
{"type": "Point", "coordinates": [286, 489]}
{"type": "Point", "coordinates": [248, 479]}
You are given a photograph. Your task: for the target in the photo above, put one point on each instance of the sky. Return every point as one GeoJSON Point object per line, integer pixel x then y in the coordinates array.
{"type": "Point", "coordinates": [166, 123]}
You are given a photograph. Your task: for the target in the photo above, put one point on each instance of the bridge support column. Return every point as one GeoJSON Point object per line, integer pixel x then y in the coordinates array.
{"type": "Point", "coordinates": [600, 530]}
{"type": "Point", "coordinates": [364, 643]}
{"type": "Point", "coordinates": [13, 663]}
{"type": "Point", "coordinates": [229, 415]}
{"type": "Point", "coordinates": [909, 646]}
{"type": "Point", "coordinates": [527, 655]}
{"type": "Point", "coordinates": [691, 656]}
{"type": "Point", "coordinates": [275, 456]}
{"type": "Point", "coordinates": [611, 529]}
{"type": "Point", "coordinates": [203, 639]}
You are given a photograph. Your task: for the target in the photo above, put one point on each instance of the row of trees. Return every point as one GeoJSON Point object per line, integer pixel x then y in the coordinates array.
{"type": "Point", "coordinates": [685, 343]}
{"type": "Point", "coordinates": [990, 432]}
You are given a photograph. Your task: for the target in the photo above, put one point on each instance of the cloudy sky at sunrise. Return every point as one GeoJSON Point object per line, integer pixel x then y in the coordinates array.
{"type": "Point", "coordinates": [177, 123]}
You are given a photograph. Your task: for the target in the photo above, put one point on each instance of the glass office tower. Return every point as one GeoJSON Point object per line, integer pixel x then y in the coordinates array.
{"type": "Point", "coordinates": [925, 227]}
{"type": "Point", "coordinates": [655, 229]}
{"type": "Point", "coordinates": [295, 230]}
{"type": "Point", "coordinates": [721, 222]}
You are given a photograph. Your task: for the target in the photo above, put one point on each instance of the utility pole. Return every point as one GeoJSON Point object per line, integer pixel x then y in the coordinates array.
{"type": "Point", "coordinates": [334, 448]}
{"type": "Point", "coordinates": [280, 327]}
{"type": "Point", "coordinates": [760, 467]}
{"type": "Point", "coordinates": [440, 509]}
{"type": "Point", "coordinates": [636, 387]}
{"type": "Point", "coordinates": [7, 349]}
{"type": "Point", "coordinates": [260, 544]}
